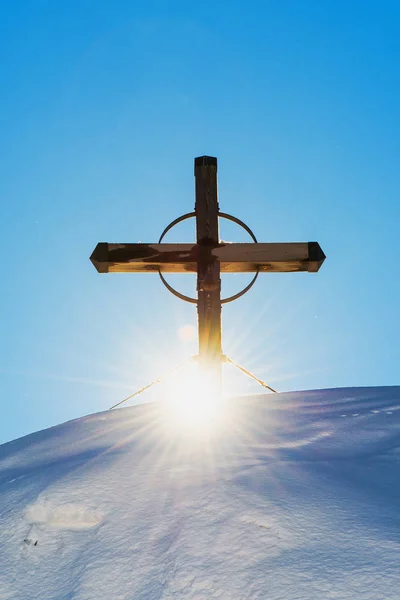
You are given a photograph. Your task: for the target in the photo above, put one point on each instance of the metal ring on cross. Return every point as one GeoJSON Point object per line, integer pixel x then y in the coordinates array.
{"type": "Point", "coordinates": [194, 300]}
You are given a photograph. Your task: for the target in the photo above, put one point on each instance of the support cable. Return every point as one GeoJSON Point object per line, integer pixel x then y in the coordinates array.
{"type": "Point", "coordinates": [246, 372]}
{"type": "Point", "coordinates": [158, 380]}
{"type": "Point", "coordinates": [182, 364]}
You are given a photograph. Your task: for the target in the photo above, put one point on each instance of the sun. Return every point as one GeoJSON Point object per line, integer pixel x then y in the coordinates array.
{"type": "Point", "coordinates": [194, 399]}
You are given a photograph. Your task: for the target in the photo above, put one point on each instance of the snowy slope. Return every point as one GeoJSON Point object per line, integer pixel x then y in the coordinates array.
{"type": "Point", "coordinates": [293, 496]}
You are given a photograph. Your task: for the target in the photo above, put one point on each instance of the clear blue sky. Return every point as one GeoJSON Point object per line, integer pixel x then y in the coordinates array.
{"type": "Point", "coordinates": [103, 107]}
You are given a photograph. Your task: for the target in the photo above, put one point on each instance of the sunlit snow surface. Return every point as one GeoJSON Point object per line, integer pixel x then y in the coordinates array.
{"type": "Point", "coordinates": [293, 496]}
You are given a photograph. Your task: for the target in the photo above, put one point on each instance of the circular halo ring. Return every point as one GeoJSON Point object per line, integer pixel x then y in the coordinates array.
{"type": "Point", "coordinates": [175, 222]}
{"type": "Point", "coordinates": [223, 216]}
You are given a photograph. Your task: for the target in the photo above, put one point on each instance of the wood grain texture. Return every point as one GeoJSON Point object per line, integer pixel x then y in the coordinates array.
{"type": "Point", "coordinates": [207, 266]}
{"type": "Point", "coordinates": [232, 258]}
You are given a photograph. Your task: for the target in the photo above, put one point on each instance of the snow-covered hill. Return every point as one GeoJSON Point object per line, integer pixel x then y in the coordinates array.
{"type": "Point", "coordinates": [293, 496]}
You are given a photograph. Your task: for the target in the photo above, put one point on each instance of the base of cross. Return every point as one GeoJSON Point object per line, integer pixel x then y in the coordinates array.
{"type": "Point", "coordinates": [213, 370]}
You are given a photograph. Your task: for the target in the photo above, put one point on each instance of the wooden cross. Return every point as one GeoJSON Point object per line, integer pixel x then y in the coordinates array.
{"type": "Point", "coordinates": [208, 257]}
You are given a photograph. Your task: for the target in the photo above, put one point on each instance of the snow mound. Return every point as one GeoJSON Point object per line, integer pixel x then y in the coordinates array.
{"type": "Point", "coordinates": [293, 496]}
{"type": "Point", "coordinates": [67, 516]}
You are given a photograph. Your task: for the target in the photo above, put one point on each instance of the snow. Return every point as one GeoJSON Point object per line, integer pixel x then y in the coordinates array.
{"type": "Point", "coordinates": [293, 496]}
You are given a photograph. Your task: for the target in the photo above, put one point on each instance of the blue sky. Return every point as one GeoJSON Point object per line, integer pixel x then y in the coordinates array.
{"type": "Point", "coordinates": [104, 106]}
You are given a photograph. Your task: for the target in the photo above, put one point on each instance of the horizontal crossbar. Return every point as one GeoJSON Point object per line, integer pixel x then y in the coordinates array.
{"type": "Point", "coordinates": [184, 258]}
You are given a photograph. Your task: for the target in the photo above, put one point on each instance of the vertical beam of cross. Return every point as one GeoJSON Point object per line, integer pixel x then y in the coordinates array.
{"type": "Point", "coordinates": [208, 268]}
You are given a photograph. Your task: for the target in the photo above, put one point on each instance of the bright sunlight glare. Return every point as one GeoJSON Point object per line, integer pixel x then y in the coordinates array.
{"type": "Point", "coordinates": [194, 400]}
